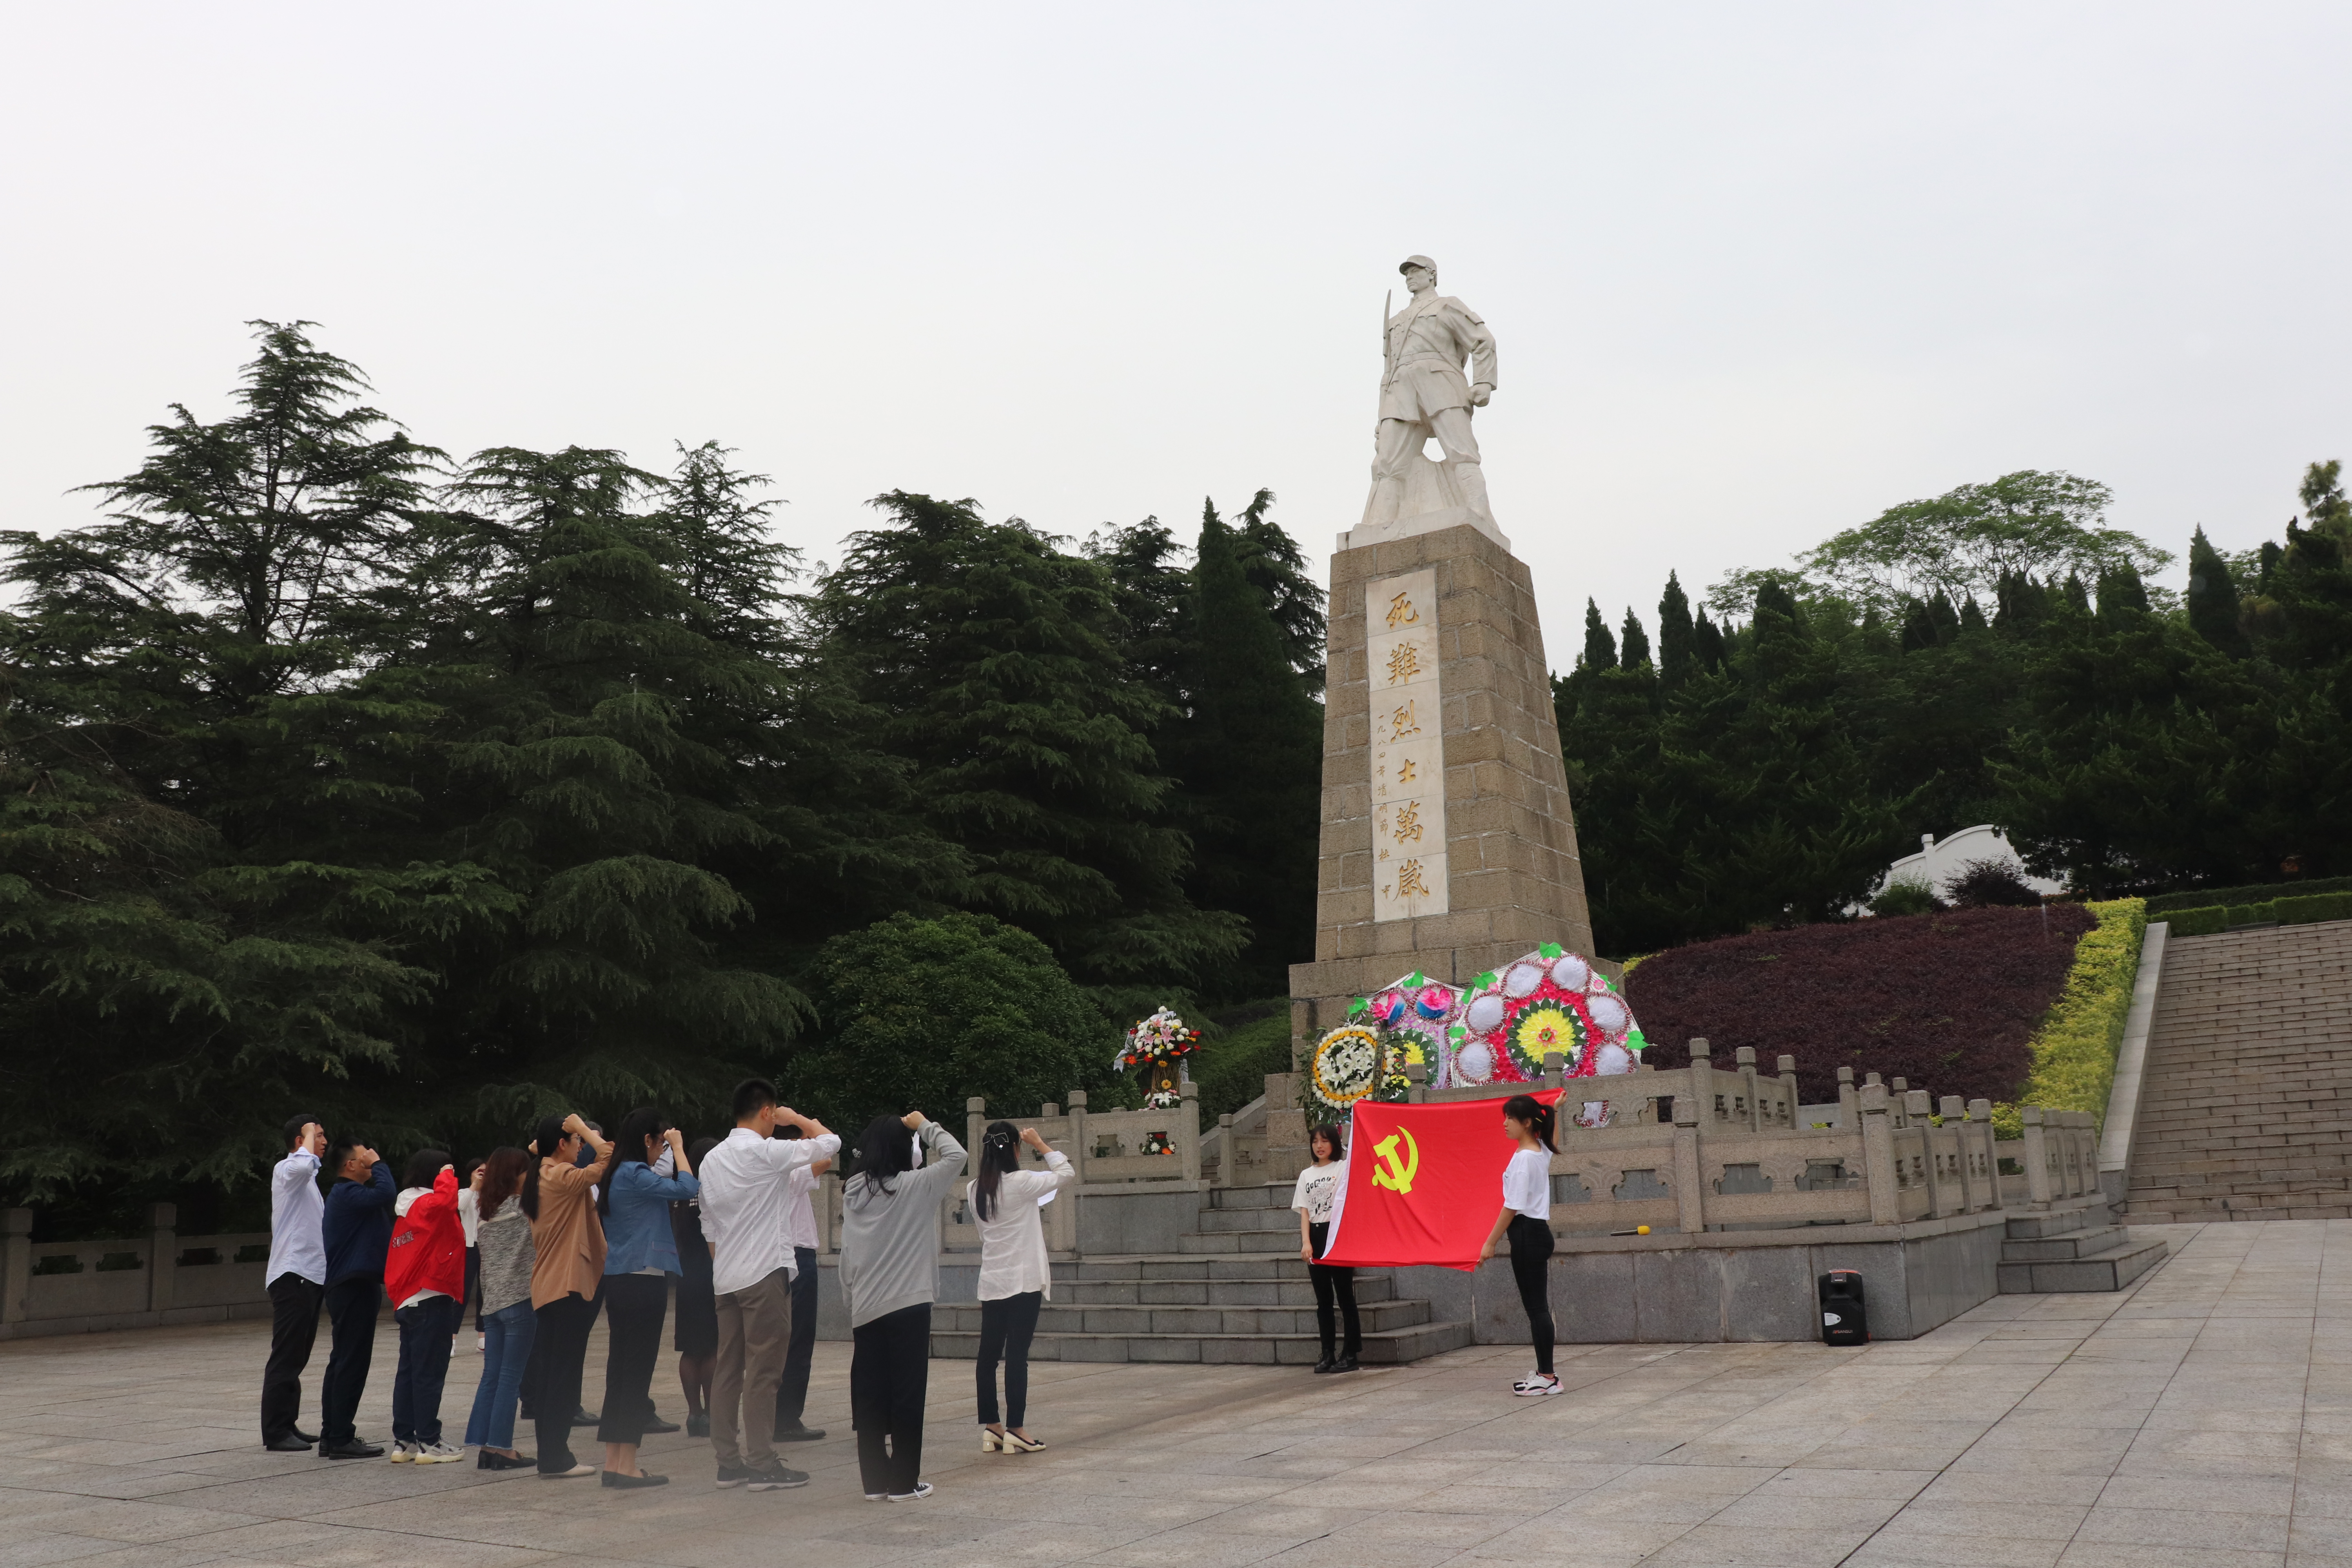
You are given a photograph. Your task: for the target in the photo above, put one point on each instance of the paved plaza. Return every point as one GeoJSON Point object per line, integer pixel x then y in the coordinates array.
{"type": "Point", "coordinates": [2204, 1418]}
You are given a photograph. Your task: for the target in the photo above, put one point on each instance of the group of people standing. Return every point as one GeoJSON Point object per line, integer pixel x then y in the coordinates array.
{"type": "Point", "coordinates": [552, 1235]}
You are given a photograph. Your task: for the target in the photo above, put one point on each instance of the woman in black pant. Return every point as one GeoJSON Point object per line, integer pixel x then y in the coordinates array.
{"type": "Point", "coordinates": [566, 1273]}
{"type": "Point", "coordinates": [649, 1173]}
{"type": "Point", "coordinates": [696, 1339]}
{"type": "Point", "coordinates": [890, 1272]}
{"type": "Point", "coordinates": [1319, 1187]}
{"type": "Point", "coordinates": [1016, 1274]}
{"type": "Point", "coordinates": [1526, 1220]}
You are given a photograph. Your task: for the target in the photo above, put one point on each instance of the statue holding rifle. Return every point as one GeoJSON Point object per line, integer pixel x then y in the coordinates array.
{"type": "Point", "coordinates": [1423, 393]}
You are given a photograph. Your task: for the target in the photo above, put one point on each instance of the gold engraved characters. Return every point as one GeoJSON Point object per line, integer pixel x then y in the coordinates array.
{"type": "Point", "coordinates": [1409, 882]}
{"type": "Point", "coordinates": [1401, 612]}
{"type": "Point", "coordinates": [1402, 679]}
{"type": "Point", "coordinates": [1405, 663]}
{"type": "Point", "coordinates": [1408, 822]}
{"type": "Point", "coordinates": [1405, 720]}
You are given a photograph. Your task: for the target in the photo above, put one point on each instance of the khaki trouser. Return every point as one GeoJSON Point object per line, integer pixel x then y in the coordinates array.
{"type": "Point", "coordinates": [755, 1325]}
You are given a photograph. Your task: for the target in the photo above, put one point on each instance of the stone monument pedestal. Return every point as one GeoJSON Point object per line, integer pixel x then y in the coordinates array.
{"type": "Point", "coordinates": [1447, 842]}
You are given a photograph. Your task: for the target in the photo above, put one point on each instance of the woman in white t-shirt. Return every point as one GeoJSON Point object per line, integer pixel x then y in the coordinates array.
{"type": "Point", "coordinates": [1016, 1278]}
{"type": "Point", "coordinates": [1317, 1190]}
{"type": "Point", "coordinates": [1526, 1220]}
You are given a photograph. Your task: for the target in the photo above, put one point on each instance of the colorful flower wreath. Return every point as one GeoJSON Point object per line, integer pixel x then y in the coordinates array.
{"type": "Point", "coordinates": [1345, 1062]}
{"type": "Point", "coordinates": [1550, 1002]}
{"type": "Point", "coordinates": [1155, 1042]}
{"type": "Point", "coordinates": [1409, 1016]}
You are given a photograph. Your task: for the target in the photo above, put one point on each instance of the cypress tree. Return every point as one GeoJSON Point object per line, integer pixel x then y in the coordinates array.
{"type": "Point", "coordinates": [1677, 651]}
{"type": "Point", "coordinates": [1636, 644]}
{"type": "Point", "coordinates": [2120, 589]}
{"type": "Point", "coordinates": [1707, 643]}
{"type": "Point", "coordinates": [2213, 598]}
{"type": "Point", "coordinates": [1278, 569]}
{"type": "Point", "coordinates": [1251, 762]}
{"type": "Point", "coordinates": [1971, 617]}
{"type": "Point", "coordinates": [991, 661]}
{"type": "Point", "coordinates": [1600, 648]}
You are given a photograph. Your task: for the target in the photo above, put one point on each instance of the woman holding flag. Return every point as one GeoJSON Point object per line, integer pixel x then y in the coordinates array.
{"type": "Point", "coordinates": [1526, 1217]}
{"type": "Point", "coordinates": [1319, 1188]}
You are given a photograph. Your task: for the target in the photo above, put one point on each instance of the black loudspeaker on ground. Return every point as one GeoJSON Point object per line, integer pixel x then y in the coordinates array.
{"type": "Point", "coordinates": [1846, 1317]}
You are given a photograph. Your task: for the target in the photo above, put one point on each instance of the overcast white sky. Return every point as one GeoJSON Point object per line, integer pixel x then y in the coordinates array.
{"type": "Point", "coordinates": [1757, 272]}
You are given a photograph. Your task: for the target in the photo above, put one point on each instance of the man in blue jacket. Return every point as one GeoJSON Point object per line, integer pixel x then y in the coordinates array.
{"type": "Point", "coordinates": [357, 1229]}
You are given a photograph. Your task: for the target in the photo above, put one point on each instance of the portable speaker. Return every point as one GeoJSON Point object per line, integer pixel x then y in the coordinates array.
{"type": "Point", "coordinates": [1845, 1321]}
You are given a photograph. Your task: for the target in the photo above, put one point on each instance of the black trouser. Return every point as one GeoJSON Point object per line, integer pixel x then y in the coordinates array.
{"type": "Point", "coordinates": [635, 1306]}
{"type": "Point", "coordinates": [533, 1369]}
{"type": "Point", "coordinates": [1006, 1327]}
{"type": "Point", "coordinates": [1531, 1267]}
{"type": "Point", "coordinates": [563, 1335]}
{"type": "Point", "coordinates": [1333, 1281]}
{"type": "Point", "coordinates": [351, 1307]}
{"type": "Point", "coordinates": [424, 1368]}
{"type": "Point", "coordinates": [293, 1330]}
{"type": "Point", "coordinates": [474, 1285]}
{"type": "Point", "coordinates": [889, 1373]}
{"type": "Point", "coordinates": [791, 1389]}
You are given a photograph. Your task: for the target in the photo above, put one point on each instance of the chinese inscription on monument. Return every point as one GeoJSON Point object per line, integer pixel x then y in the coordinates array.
{"type": "Point", "coordinates": [1408, 748]}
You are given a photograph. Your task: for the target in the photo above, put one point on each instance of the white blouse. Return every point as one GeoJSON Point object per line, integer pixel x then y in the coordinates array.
{"type": "Point", "coordinates": [1527, 1183]}
{"type": "Point", "coordinates": [1317, 1188]}
{"type": "Point", "coordinates": [1012, 1261]}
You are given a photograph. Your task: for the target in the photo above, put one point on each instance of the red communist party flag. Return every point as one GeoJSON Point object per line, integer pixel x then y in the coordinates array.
{"type": "Point", "coordinates": [1424, 1183]}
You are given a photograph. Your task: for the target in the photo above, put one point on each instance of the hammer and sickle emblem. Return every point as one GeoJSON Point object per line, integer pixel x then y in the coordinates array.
{"type": "Point", "coordinates": [1394, 1173]}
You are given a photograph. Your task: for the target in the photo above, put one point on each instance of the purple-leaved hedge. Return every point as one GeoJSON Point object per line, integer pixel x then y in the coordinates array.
{"type": "Point", "coordinates": [1949, 1001]}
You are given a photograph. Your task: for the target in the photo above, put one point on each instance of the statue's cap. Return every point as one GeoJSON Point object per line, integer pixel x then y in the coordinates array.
{"type": "Point", "coordinates": [1409, 262]}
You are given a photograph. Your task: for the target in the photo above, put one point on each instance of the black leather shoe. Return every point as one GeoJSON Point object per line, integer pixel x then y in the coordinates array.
{"type": "Point", "coordinates": [697, 1425]}
{"type": "Point", "coordinates": [657, 1426]}
{"type": "Point", "coordinates": [615, 1479]}
{"type": "Point", "coordinates": [583, 1416]}
{"type": "Point", "coordinates": [1325, 1364]}
{"type": "Point", "coordinates": [306, 1437]}
{"type": "Point", "coordinates": [800, 1435]}
{"type": "Point", "coordinates": [292, 1443]}
{"type": "Point", "coordinates": [1346, 1364]}
{"type": "Point", "coordinates": [485, 1460]}
{"type": "Point", "coordinates": [353, 1449]}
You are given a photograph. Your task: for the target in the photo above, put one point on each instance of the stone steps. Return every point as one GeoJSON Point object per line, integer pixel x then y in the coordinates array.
{"type": "Point", "coordinates": [1237, 1291]}
{"type": "Point", "coordinates": [2246, 1105]}
{"type": "Point", "coordinates": [2073, 1247]}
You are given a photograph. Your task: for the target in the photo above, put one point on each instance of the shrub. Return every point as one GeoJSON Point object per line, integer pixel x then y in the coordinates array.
{"type": "Point", "coordinates": [1230, 1069]}
{"type": "Point", "coordinates": [2161, 907]}
{"type": "Point", "coordinates": [2314, 907]}
{"type": "Point", "coordinates": [1948, 1001]}
{"type": "Point", "coordinates": [1905, 897]}
{"type": "Point", "coordinates": [1989, 883]}
{"type": "Point", "coordinates": [2211, 921]}
{"type": "Point", "coordinates": [922, 1012]}
{"type": "Point", "coordinates": [2075, 1048]}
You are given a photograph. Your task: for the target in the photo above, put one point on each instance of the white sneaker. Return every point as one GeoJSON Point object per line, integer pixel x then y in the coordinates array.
{"type": "Point", "coordinates": [435, 1454]}
{"type": "Point", "coordinates": [1536, 1384]}
{"type": "Point", "coordinates": [401, 1453]}
{"type": "Point", "coordinates": [922, 1490]}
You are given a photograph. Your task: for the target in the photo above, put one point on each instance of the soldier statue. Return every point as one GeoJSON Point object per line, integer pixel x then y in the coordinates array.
{"type": "Point", "coordinates": [1423, 394]}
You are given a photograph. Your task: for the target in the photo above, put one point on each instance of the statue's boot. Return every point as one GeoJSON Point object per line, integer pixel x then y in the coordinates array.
{"type": "Point", "coordinates": [1472, 479]}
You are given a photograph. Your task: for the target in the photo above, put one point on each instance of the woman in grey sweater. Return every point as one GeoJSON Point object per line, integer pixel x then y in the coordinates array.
{"type": "Point", "coordinates": [890, 1272]}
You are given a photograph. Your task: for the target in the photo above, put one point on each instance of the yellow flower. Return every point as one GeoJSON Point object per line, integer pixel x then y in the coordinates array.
{"type": "Point", "coordinates": [1543, 1030]}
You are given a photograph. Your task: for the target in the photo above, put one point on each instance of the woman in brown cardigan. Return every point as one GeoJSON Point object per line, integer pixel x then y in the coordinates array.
{"type": "Point", "coordinates": [569, 1243]}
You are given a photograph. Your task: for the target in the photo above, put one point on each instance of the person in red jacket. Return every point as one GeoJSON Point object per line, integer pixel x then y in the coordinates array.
{"type": "Point", "coordinates": [425, 1275]}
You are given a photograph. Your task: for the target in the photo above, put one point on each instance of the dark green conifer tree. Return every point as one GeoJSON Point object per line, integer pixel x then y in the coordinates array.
{"type": "Point", "coordinates": [1600, 648]}
{"type": "Point", "coordinates": [2213, 598]}
{"type": "Point", "coordinates": [1707, 643]}
{"type": "Point", "coordinates": [1677, 650]}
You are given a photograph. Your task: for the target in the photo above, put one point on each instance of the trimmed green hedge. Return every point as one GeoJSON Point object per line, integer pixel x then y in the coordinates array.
{"type": "Point", "coordinates": [2074, 1048]}
{"type": "Point", "coordinates": [2215, 919]}
{"type": "Point", "coordinates": [2162, 906]}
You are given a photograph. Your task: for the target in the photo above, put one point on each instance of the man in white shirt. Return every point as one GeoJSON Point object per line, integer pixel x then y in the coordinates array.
{"type": "Point", "coordinates": [800, 1235]}
{"type": "Point", "coordinates": [752, 1268]}
{"type": "Point", "coordinates": [297, 1279]}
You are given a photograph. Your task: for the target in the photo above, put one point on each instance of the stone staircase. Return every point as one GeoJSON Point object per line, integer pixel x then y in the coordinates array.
{"type": "Point", "coordinates": [2071, 1245]}
{"type": "Point", "coordinates": [1235, 1291]}
{"type": "Point", "coordinates": [2245, 1107]}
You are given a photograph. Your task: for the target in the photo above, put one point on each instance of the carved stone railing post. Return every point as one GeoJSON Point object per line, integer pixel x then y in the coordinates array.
{"type": "Point", "coordinates": [2036, 1159]}
{"type": "Point", "coordinates": [1918, 1110]}
{"type": "Point", "coordinates": [1690, 1199]}
{"type": "Point", "coordinates": [1555, 1070]}
{"type": "Point", "coordinates": [975, 1125]}
{"type": "Point", "coordinates": [1878, 1156]}
{"type": "Point", "coordinates": [1188, 1130]}
{"type": "Point", "coordinates": [1962, 1145]}
{"type": "Point", "coordinates": [1849, 1101]}
{"type": "Point", "coordinates": [1082, 1148]}
{"type": "Point", "coordinates": [1788, 1066]}
{"type": "Point", "coordinates": [1702, 1082]}
{"type": "Point", "coordinates": [1416, 1077]}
